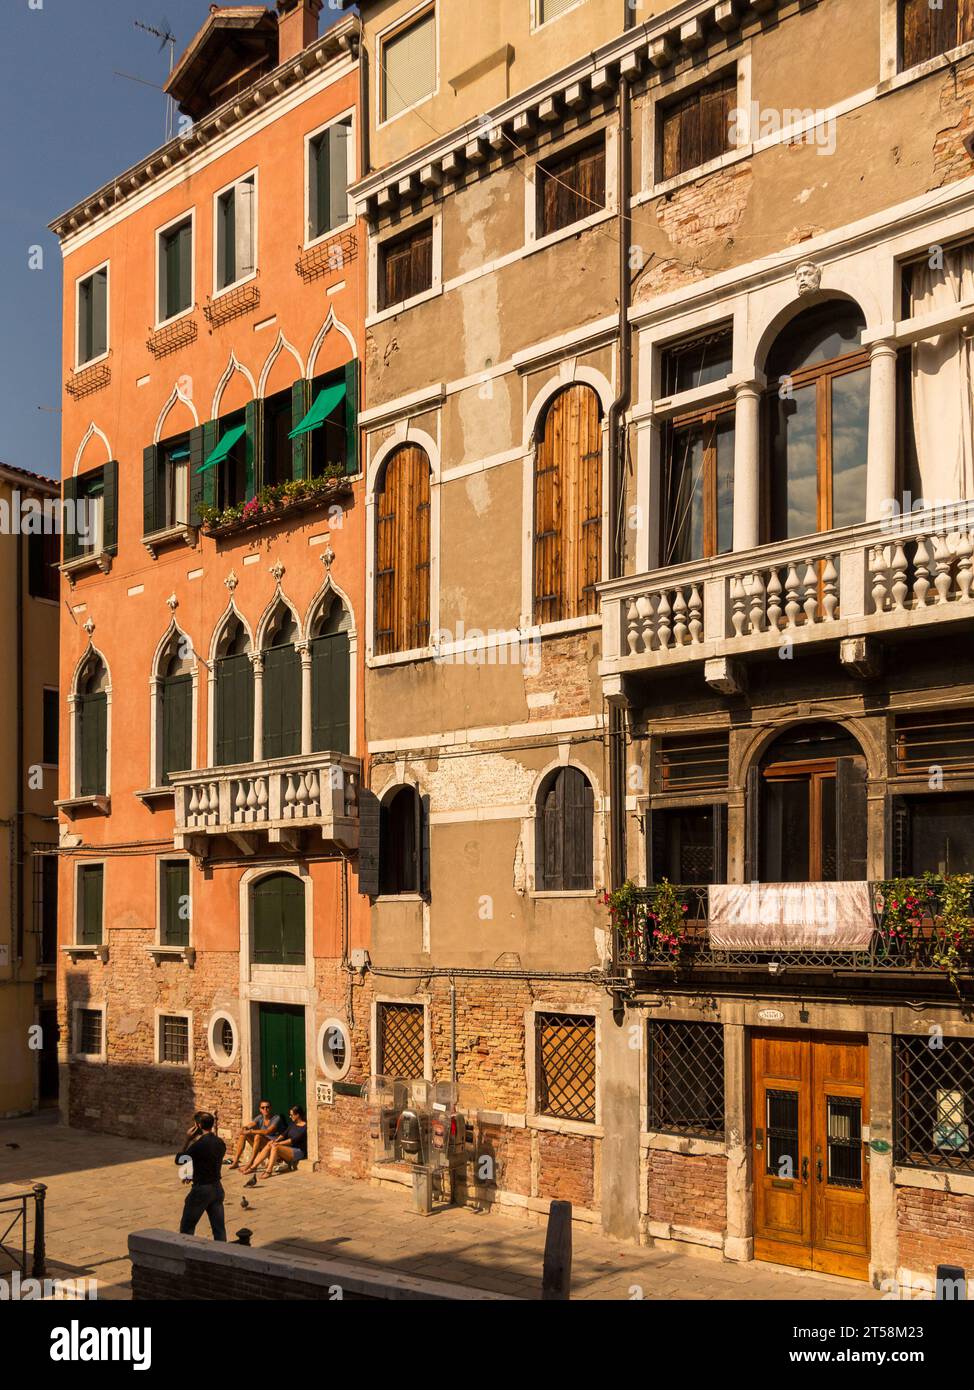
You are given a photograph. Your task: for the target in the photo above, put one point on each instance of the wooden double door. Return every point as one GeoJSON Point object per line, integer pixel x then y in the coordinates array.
{"type": "Point", "coordinates": [810, 1104]}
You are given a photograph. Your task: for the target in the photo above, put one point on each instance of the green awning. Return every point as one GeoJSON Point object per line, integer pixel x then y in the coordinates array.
{"type": "Point", "coordinates": [223, 448]}
{"type": "Point", "coordinates": [324, 404]}
{"type": "Point", "coordinates": [178, 455]}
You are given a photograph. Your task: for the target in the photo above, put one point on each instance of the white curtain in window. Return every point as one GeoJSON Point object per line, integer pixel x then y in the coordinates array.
{"type": "Point", "coordinates": [943, 383]}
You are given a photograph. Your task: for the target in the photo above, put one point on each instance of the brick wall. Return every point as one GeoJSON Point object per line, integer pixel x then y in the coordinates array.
{"type": "Point", "coordinates": [688, 1190]}
{"type": "Point", "coordinates": [934, 1228]}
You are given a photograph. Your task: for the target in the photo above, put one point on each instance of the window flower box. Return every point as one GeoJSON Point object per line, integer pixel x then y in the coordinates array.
{"type": "Point", "coordinates": [273, 504]}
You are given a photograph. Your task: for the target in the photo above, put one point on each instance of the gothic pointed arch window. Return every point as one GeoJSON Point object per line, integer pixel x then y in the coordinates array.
{"type": "Point", "coordinates": [331, 678]}
{"type": "Point", "coordinates": [174, 694]}
{"type": "Point", "coordinates": [234, 696]}
{"type": "Point", "coordinates": [92, 728]}
{"type": "Point", "coordinates": [568, 506]}
{"type": "Point", "coordinates": [565, 832]}
{"type": "Point", "coordinates": [402, 559]}
{"type": "Point", "coordinates": [281, 686]}
{"type": "Point", "coordinates": [817, 422]}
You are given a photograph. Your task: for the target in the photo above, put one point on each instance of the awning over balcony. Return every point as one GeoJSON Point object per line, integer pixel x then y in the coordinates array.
{"type": "Point", "coordinates": [790, 916]}
{"type": "Point", "coordinates": [226, 443]}
{"type": "Point", "coordinates": [324, 403]}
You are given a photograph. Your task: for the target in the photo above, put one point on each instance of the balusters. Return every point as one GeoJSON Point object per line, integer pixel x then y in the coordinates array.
{"type": "Point", "coordinates": [696, 614]}
{"type": "Point", "coordinates": [921, 585]}
{"type": "Point", "coordinates": [830, 586]}
{"type": "Point", "coordinates": [738, 605]}
{"type": "Point", "coordinates": [810, 591]}
{"type": "Point", "coordinates": [792, 605]}
{"type": "Point", "coordinates": [877, 568]}
{"type": "Point", "coordinates": [194, 804]}
{"type": "Point", "coordinates": [680, 629]}
{"type": "Point", "coordinates": [634, 628]}
{"type": "Point", "coordinates": [944, 559]}
{"type": "Point", "coordinates": [757, 614]}
{"type": "Point", "coordinates": [664, 630]}
{"type": "Point", "coordinates": [774, 601]}
{"type": "Point", "coordinates": [965, 566]}
{"type": "Point", "coordinates": [899, 588]}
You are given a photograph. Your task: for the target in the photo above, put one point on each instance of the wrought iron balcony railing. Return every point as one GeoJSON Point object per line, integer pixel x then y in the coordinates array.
{"type": "Point", "coordinates": [281, 801]}
{"type": "Point", "coordinates": [916, 936]}
{"type": "Point", "coordinates": [913, 572]}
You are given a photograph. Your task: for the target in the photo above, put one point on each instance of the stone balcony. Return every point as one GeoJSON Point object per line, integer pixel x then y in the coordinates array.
{"type": "Point", "coordinates": [291, 802]}
{"type": "Point", "coordinates": [855, 587]}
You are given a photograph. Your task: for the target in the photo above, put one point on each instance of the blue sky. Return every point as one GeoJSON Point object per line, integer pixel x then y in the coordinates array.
{"type": "Point", "coordinates": [68, 124]}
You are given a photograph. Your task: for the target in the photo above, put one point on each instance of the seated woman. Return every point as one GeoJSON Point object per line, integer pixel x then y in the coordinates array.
{"type": "Point", "coordinates": [291, 1147]}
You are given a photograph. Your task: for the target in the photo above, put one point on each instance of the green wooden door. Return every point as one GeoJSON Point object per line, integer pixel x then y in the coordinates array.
{"type": "Point", "coordinates": [279, 920]}
{"type": "Point", "coordinates": [282, 702]}
{"type": "Point", "coordinates": [282, 1057]}
{"type": "Point", "coordinates": [234, 711]}
{"type": "Point", "coordinates": [330, 693]}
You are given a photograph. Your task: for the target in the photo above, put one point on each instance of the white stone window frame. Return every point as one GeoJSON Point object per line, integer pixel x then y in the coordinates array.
{"type": "Point", "coordinates": [538, 22]}
{"type": "Point", "coordinates": [173, 633]}
{"type": "Point", "coordinates": [78, 947]}
{"type": "Point", "coordinates": [316, 609]}
{"type": "Point", "coordinates": [376, 245]}
{"type": "Point", "coordinates": [159, 1015]}
{"type": "Point", "coordinates": [74, 698]}
{"type": "Point", "coordinates": [664, 94]}
{"type": "Point", "coordinates": [218, 290]}
{"type": "Point", "coordinates": [535, 1119]}
{"type": "Point", "coordinates": [891, 75]}
{"type": "Point", "coordinates": [392, 31]}
{"type": "Point", "coordinates": [658, 1139]}
{"type": "Point", "coordinates": [326, 1065]}
{"type": "Point", "coordinates": [218, 1057]}
{"type": "Point", "coordinates": [529, 832]}
{"type": "Point", "coordinates": [276, 977]}
{"type": "Point", "coordinates": [80, 365]}
{"type": "Point", "coordinates": [426, 1001]}
{"type": "Point", "coordinates": [159, 948]}
{"type": "Point", "coordinates": [348, 116]}
{"type": "Point", "coordinates": [76, 1011]}
{"type": "Point", "coordinates": [577, 140]}
{"type": "Point", "coordinates": [187, 215]}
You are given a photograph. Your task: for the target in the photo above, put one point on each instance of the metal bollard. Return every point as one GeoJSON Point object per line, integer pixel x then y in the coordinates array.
{"type": "Point", "coordinates": [39, 1262]}
{"type": "Point", "coordinates": [423, 1190]}
{"type": "Point", "coordinates": [951, 1284]}
{"type": "Point", "coordinates": [556, 1278]}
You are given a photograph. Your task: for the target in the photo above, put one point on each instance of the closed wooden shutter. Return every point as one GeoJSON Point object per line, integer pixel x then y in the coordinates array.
{"type": "Point", "coordinates": [696, 129]}
{"type": "Point", "coordinates": [572, 187]}
{"type": "Point", "coordinates": [330, 693]}
{"type": "Point", "coordinates": [279, 920]}
{"type": "Point", "coordinates": [351, 417]}
{"type": "Point", "coordinates": [69, 495]}
{"type": "Point", "coordinates": [150, 489]}
{"type": "Point", "coordinates": [851, 812]}
{"type": "Point", "coordinates": [301, 443]}
{"type": "Point", "coordinates": [720, 843]}
{"type": "Point", "coordinates": [177, 725]}
{"type": "Point", "coordinates": [110, 532]}
{"type": "Point", "coordinates": [90, 907]}
{"type": "Point", "coordinates": [234, 711]}
{"type": "Point", "coordinates": [402, 580]}
{"type": "Point", "coordinates": [407, 265]}
{"type": "Point", "coordinates": [928, 31]}
{"type": "Point", "coordinates": [282, 702]}
{"type": "Point", "coordinates": [568, 508]}
{"type": "Point", "coordinates": [565, 833]}
{"type": "Point", "coordinates": [197, 457]}
{"type": "Point", "coordinates": [408, 61]}
{"type": "Point", "coordinates": [752, 839]}
{"type": "Point", "coordinates": [174, 886]}
{"type": "Point", "coordinates": [965, 21]}
{"type": "Point", "coordinates": [253, 417]}
{"type": "Point", "coordinates": [93, 738]}
{"type": "Point", "coordinates": [368, 842]}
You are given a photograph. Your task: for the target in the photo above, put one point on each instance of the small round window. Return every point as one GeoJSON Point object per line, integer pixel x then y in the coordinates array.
{"type": "Point", "coordinates": [222, 1039]}
{"type": "Point", "coordinates": [334, 1049]}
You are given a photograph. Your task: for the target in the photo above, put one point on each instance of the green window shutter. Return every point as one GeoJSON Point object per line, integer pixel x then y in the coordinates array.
{"type": "Point", "coordinates": [197, 480]}
{"type": "Point", "coordinates": [279, 921]}
{"type": "Point", "coordinates": [69, 493]}
{"type": "Point", "coordinates": [211, 478]}
{"type": "Point", "coordinates": [93, 737]}
{"type": "Point", "coordinates": [185, 266]}
{"type": "Point", "coordinates": [111, 507]}
{"type": "Point", "coordinates": [252, 416]}
{"type": "Point", "coordinates": [177, 725]}
{"type": "Point", "coordinates": [150, 489]}
{"type": "Point", "coordinates": [351, 417]}
{"type": "Point", "coordinates": [330, 693]}
{"type": "Point", "coordinates": [301, 444]}
{"type": "Point", "coordinates": [266, 922]}
{"type": "Point", "coordinates": [174, 927]}
{"type": "Point", "coordinates": [234, 711]}
{"type": "Point", "coordinates": [292, 921]}
{"type": "Point", "coordinates": [339, 150]}
{"type": "Point", "coordinates": [282, 702]}
{"type": "Point", "coordinates": [90, 915]}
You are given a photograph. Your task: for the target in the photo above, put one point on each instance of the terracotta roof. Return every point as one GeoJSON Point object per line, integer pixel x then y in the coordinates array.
{"type": "Point", "coordinates": [236, 45]}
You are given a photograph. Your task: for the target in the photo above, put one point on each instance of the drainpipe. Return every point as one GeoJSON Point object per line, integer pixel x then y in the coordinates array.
{"type": "Point", "coordinates": [363, 101]}
{"type": "Point", "coordinates": [453, 1029]}
{"type": "Point", "coordinates": [18, 887]}
{"type": "Point", "coordinates": [617, 466]}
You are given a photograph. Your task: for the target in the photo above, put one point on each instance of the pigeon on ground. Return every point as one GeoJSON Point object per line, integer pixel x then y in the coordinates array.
{"type": "Point", "coordinates": [13, 1146]}
{"type": "Point", "coordinates": [245, 1204]}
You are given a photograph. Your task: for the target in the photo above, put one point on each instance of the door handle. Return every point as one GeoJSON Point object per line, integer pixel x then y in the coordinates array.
{"type": "Point", "coordinates": [818, 1170]}
{"type": "Point", "coordinates": [805, 1170]}
{"type": "Point", "coordinates": [273, 1071]}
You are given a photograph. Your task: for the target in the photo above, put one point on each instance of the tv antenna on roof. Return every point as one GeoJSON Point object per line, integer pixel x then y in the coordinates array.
{"type": "Point", "coordinates": [165, 35]}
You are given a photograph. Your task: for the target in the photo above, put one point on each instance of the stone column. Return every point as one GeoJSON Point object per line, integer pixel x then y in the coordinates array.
{"type": "Point", "coordinates": [258, 664]}
{"type": "Point", "coordinates": [739, 1240]}
{"type": "Point", "coordinates": [882, 1193]}
{"type": "Point", "coordinates": [304, 650]}
{"type": "Point", "coordinates": [881, 457]}
{"type": "Point", "coordinates": [747, 463]}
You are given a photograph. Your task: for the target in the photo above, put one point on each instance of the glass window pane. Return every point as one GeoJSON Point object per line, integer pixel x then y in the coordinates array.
{"type": "Point", "coordinates": [794, 446]}
{"type": "Point", "coordinates": [725, 485]}
{"type": "Point", "coordinates": [850, 437]}
{"type": "Point", "coordinates": [683, 524]}
{"type": "Point", "coordinates": [784, 838]}
{"type": "Point", "coordinates": [844, 1141]}
{"type": "Point", "coordinates": [782, 1125]}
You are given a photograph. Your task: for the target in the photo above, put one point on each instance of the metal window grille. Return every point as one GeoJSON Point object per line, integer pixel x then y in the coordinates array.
{"type": "Point", "coordinates": [686, 1079]}
{"type": "Point", "coordinates": [401, 1041]}
{"type": "Point", "coordinates": [335, 1047]}
{"type": "Point", "coordinates": [933, 1089]}
{"type": "Point", "coordinates": [939, 738]}
{"type": "Point", "coordinates": [693, 763]}
{"type": "Point", "coordinates": [226, 1037]}
{"type": "Point", "coordinates": [174, 1039]}
{"type": "Point", "coordinates": [89, 1032]}
{"type": "Point", "coordinates": [565, 1051]}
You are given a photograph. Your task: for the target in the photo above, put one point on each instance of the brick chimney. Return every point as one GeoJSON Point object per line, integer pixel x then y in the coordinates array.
{"type": "Point", "coordinates": [297, 27]}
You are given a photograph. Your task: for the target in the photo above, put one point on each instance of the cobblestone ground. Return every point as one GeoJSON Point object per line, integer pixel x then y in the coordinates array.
{"type": "Point", "coordinates": [100, 1188]}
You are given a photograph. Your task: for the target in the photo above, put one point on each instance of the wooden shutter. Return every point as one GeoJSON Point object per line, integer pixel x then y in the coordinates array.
{"type": "Point", "coordinates": [69, 494]}
{"type": "Point", "coordinates": [330, 693]}
{"type": "Point", "coordinates": [245, 228]}
{"type": "Point", "coordinates": [368, 843]}
{"type": "Point", "coordinates": [351, 417]}
{"type": "Point", "coordinates": [552, 842]}
{"type": "Point", "coordinates": [965, 21]}
{"type": "Point", "coordinates": [90, 916]}
{"type": "Point", "coordinates": [752, 846]}
{"type": "Point", "coordinates": [150, 489]}
{"type": "Point", "coordinates": [281, 702]}
{"type": "Point", "coordinates": [927, 31]}
{"type": "Point", "coordinates": [253, 419]}
{"type": "Point", "coordinates": [339, 144]}
{"type": "Point", "coordinates": [110, 498]}
{"type": "Point", "coordinates": [578, 811]}
{"type": "Point", "coordinates": [403, 553]}
{"type": "Point", "coordinates": [174, 891]}
{"type": "Point", "coordinates": [99, 313]}
{"type": "Point", "coordinates": [279, 921]}
{"type": "Point", "coordinates": [234, 711]}
{"type": "Point", "coordinates": [301, 443]}
{"type": "Point", "coordinates": [197, 480]}
{"type": "Point", "coordinates": [717, 101]}
{"type": "Point", "coordinates": [899, 839]}
{"type": "Point", "coordinates": [568, 508]}
{"type": "Point", "coordinates": [177, 725]}
{"type": "Point", "coordinates": [850, 817]}
{"type": "Point", "coordinates": [93, 738]}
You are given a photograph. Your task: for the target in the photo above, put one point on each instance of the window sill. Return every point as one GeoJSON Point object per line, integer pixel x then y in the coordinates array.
{"type": "Point", "coordinates": [236, 285]}
{"type": "Point", "coordinates": [948, 1181]}
{"type": "Point", "coordinates": [402, 658]}
{"type": "Point", "coordinates": [95, 1058]}
{"type": "Point", "coordinates": [322, 237]}
{"type": "Point", "coordinates": [93, 361]}
{"type": "Point", "coordinates": [702, 171]}
{"type": "Point", "coordinates": [72, 804]}
{"type": "Point", "coordinates": [78, 952]}
{"type": "Point", "coordinates": [938, 63]}
{"type": "Point", "coordinates": [589, 1128]}
{"type": "Point", "coordinates": [588, 622]}
{"type": "Point", "coordinates": [392, 310]}
{"type": "Point", "coordinates": [174, 318]}
{"type": "Point", "coordinates": [681, 1144]}
{"type": "Point", "coordinates": [557, 894]}
{"type": "Point", "coordinates": [184, 953]}
{"type": "Point", "coordinates": [150, 794]}
{"type": "Point", "coordinates": [83, 564]}
{"type": "Point", "coordinates": [541, 243]}
{"type": "Point", "coordinates": [170, 535]}
{"type": "Point", "coordinates": [400, 898]}
{"type": "Point", "coordinates": [685, 402]}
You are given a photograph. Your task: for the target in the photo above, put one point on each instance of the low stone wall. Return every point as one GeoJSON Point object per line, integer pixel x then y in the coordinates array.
{"type": "Point", "coordinates": [168, 1266]}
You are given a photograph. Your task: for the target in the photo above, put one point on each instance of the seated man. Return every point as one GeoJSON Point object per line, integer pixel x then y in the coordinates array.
{"type": "Point", "coordinates": [290, 1147]}
{"type": "Point", "coordinates": [262, 1128]}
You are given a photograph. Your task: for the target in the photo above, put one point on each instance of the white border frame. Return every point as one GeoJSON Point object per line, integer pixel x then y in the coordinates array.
{"type": "Point", "coordinates": [401, 24]}
{"type": "Point", "coordinates": [169, 857]}
{"type": "Point", "coordinates": [74, 753]}
{"type": "Point", "coordinates": [222, 1062]}
{"type": "Point", "coordinates": [158, 1015]}
{"type": "Point", "coordinates": [80, 366]}
{"type": "Point", "coordinates": [352, 172]}
{"type": "Point", "coordinates": [331, 1072]}
{"type": "Point", "coordinates": [529, 832]}
{"type": "Point", "coordinates": [537, 23]}
{"type": "Point", "coordinates": [737, 58]}
{"type": "Point", "coordinates": [173, 633]}
{"type": "Point", "coordinates": [376, 243]}
{"type": "Point", "coordinates": [89, 1007]}
{"type": "Point", "coordinates": [243, 279]}
{"type": "Point", "coordinates": [579, 139]}
{"type": "Point", "coordinates": [188, 216]}
{"type": "Point", "coordinates": [80, 864]}
{"type": "Point", "coordinates": [424, 1001]}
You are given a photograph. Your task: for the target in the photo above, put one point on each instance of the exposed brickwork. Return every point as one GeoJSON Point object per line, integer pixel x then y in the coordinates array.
{"type": "Point", "coordinates": [934, 1228]}
{"type": "Point", "coordinates": [568, 671]}
{"type": "Point", "coordinates": [706, 210]}
{"type": "Point", "coordinates": [688, 1190]}
{"type": "Point", "coordinates": [951, 160]}
{"type": "Point", "coordinates": [566, 1168]}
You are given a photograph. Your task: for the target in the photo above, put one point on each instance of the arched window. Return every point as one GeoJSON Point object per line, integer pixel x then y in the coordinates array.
{"type": "Point", "coordinates": [330, 679]}
{"type": "Point", "coordinates": [281, 685]}
{"type": "Point", "coordinates": [92, 728]}
{"type": "Point", "coordinates": [278, 920]}
{"type": "Point", "coordinates": [807, 808]}
{"type": "Point", "coordinates": [568, 507]}
{"type": "Point", "coordinates": [402, 552]}
{"type": "Point", "coordinates": [234, 697]}
{"type": "Point", "coordinates": [818, 422]}
{"type": "Point", "coordinates": [175, 719]}
{"type": "Point", "coordinates": [565, 822]}
{"type": "Point", "coordinates": [400, 842]}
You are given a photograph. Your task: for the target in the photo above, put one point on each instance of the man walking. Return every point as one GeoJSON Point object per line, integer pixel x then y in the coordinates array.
{"type": "Point", "coordinates": [206, 1150]}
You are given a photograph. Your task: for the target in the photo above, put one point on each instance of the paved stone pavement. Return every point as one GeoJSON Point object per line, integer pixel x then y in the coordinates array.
{"type": "Point", "coordinates": [101, 1187]}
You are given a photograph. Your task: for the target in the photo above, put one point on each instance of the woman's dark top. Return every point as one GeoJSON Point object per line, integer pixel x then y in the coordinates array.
{"type": "Point", "coordinates": [297, 1137]}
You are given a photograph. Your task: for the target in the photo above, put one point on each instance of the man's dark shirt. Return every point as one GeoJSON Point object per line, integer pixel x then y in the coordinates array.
{"type": "Point", "coordinates": [207, 1155]}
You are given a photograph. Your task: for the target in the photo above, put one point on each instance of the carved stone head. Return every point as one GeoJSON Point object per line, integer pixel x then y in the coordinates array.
{"type": "Point", "coordinates": [808, 277]}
